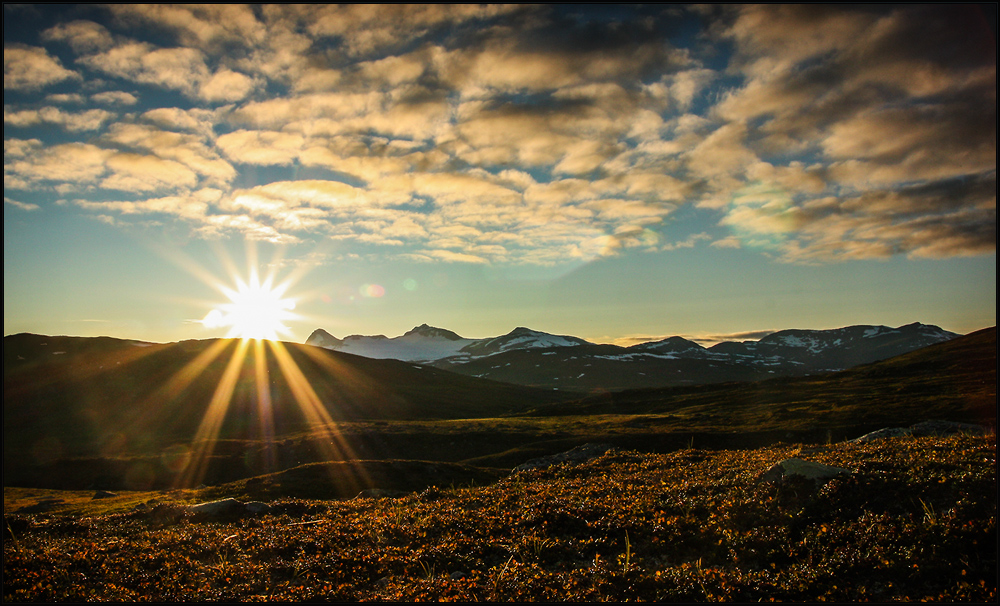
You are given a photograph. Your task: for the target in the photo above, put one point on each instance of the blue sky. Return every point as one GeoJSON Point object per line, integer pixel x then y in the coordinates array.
{"type": "Point", "coordinates": [615, 173]}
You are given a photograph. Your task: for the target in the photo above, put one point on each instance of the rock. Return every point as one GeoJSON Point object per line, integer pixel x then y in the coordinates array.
{"type": "Point", "coordinates": [817, 472]}
{"type": "Point", "coordinates": [215, 508]}
{"type": "Point", "coordinates": [258, 507]}
{"type": "Point", "coordinates": [458, 574]}
{"type": "Point", "coordinates": [575, 456]}
{"type": "Point", "coordinates": [879, 434]}
{"type": "Point", "coordinates": [103, 494]}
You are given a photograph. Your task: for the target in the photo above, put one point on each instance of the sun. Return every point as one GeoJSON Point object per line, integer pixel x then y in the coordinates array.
{"type": "Point", "coordinates": [255, 310]}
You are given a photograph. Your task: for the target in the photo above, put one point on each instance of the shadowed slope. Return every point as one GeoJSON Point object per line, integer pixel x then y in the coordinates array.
{"type": "Point", "coordinates": [67, 397]}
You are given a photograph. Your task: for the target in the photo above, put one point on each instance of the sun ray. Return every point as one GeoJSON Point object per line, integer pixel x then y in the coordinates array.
{"type": "Point", "coordinates": [208, 431]}
{"type": "Point", "coordinates": [265, 412]}
{"type": "Point", "coordinates": [323, 429]}
{"type": "Point", "coordinates": [186, 375]}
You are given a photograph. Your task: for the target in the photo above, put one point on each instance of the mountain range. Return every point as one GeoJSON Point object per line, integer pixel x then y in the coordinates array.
{"type": "Point", "coordinates": [529, 357]}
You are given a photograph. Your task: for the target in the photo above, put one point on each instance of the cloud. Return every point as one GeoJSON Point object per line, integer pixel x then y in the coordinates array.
{"type": "Point", "coordinates": [226, 85]}
{"type": "Point", "coordinates": [891, 104]}
{"type": "Point", "coordinates": [25, 206]}
{"type": "Point", "coordinates": [175, 68]}
{"type": "Point", "coordinates": [261, 147]}
{"type": "Point", "coordinates": [140, 172]}
{"type": "Point", "coordinates": [187, 149]}
{"type": "Point", "coordinates": [115, 97]}
{"type": "Point", "coordinates": [74, 164]}
{"type": "Point", "coordinates": [92, 119]}
{"type": "Point", "coordinates": [64, 98]}
{"type": "Point", "coordinates": [450, 256]}
{"type": "Point", "coordinates": [16, 148]}
{"type": "Point", "coordinates": [368, 28]}
{"type": "Point", "coordinates": [132, 157]}
{"type": "Point", "coordinates": [727, 242]}
{"type": "Point", "coordinates": [191, 207]}
{"type": "Point", "coordinates": [906, 144]}
{"type": "Point", "coordinates": [182, 69]}
{"type": "Point", "coordinates": [689, 242]}
{"type": "Point", "coordinates": [195, 120]}
{"type": "Point", "coordinates": [210, 27]}
{"type": "Point", "coordinates": [82, 36]}
{"type": "Point", "coordinates": [955, 217]}
{"type": "Point", "coordinates": [31, 68]}
{"type": "Point", "coordinates": [528, 134]}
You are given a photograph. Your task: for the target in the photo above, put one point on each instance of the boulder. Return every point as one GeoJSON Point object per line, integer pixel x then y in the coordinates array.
{"type": "Point", "coordinates": [215, 508]}
{"type": "Point", "coordinates": [817, 472]}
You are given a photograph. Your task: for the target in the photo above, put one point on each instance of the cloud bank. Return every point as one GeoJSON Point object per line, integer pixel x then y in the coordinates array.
{"type": "Point", "coordinates": [520, 134]}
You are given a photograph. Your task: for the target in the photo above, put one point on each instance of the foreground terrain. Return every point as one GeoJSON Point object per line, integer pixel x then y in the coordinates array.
{"type": "Point", "coordinates": [914, 519]}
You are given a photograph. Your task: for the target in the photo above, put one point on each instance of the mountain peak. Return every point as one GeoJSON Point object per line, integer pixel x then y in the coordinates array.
{"type": "Point", "coordinates": [522, 330]}
{"type": "Point", "coordinates": [321, 338]}
{"type": "Point", "coordinates": [425, 330]}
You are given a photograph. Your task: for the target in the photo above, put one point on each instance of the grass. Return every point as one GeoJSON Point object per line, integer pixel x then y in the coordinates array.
{"type": "Point", "coordinates": [915, 520]}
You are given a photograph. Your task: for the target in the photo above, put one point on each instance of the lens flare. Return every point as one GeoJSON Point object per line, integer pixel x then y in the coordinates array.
{"type": "Point", "coordinates": [372, 291]}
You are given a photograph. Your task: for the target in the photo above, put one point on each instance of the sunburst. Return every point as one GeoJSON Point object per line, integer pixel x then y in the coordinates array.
{"type": "Point", "coordinates": [255, 310]}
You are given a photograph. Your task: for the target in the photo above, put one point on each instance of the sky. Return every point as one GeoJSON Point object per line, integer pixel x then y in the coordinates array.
{"type": "Point", "coordinates": [617, 173]}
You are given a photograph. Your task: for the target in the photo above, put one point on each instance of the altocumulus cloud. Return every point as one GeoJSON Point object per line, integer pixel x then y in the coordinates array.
{"type": "Point", "coordinates": [520, 134]}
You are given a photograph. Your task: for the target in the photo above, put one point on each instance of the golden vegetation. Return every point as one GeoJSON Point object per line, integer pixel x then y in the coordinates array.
{"type": "Point", "coordinates": [916, 520]}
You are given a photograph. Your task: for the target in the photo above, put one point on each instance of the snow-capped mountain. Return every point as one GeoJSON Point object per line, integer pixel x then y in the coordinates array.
{"type": "Point", "coordinates": [421, 344]}
{"type": "Point", "coordinates": [520, 338]}
{"type": "Point", "coordinates": [428, 344]}
{"type": "Point", "coordinates": [531, 357]}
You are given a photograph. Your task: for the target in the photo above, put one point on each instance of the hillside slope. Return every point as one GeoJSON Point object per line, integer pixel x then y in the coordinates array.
{"type": "Point", "coordinates": [72, 398]}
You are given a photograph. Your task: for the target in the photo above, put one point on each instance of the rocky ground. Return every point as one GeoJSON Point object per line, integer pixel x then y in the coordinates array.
{"type": "Point", "coordinates": [896, 518]}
